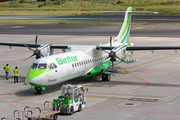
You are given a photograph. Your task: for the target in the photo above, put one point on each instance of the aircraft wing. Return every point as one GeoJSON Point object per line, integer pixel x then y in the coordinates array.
{"type": "Point", "coordinates": [134, 48]}
{"type": "Point", "coordinates": [19, 44]}
{"type": "Point", "coordinates": [54, 46]}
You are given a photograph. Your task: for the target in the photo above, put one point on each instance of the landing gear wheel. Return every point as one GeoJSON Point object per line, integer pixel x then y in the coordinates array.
{"type": "Point", "coordinates": [106, 77]}
{"type": "Point", "coordinates": [55, 117]}
{"type": "Point", "coordinates": [71, 110]}
{"type": "Point", "coordinates": [39, 91]}
{"type": "Point", "coordinates": [80, 108]}
{"type": "Point", "coordinates": [103, 77]}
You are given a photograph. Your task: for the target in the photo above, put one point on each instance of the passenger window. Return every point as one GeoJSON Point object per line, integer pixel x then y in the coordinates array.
{"type": "Point", "coordinates": [84, 62]}
{"type": "Point", "coordinates": [79, 63]}
{"type": "Point", "coordinates": [72, 65]}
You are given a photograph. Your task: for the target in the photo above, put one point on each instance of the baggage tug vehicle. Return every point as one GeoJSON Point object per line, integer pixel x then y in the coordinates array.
{"type": "Point", "coordinates": [72, 99]}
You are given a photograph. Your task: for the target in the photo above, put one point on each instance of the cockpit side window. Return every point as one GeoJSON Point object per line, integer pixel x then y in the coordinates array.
{"type": "Point", "coordinates": [51, 66]}
{"type": "Point", "coordinates": [55, 66]}
{"type": "Point", "coordinates": [42, 66]}
{"type": "Point", "coordinates": [34, 66]}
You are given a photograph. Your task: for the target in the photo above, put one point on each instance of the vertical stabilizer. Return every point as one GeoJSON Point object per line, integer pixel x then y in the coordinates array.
{"type": "Point", "coordinates": [123, 36]}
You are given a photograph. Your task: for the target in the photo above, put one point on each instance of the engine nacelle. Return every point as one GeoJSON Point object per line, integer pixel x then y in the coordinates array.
{"type": "Point", "coordinates": [45, 50]}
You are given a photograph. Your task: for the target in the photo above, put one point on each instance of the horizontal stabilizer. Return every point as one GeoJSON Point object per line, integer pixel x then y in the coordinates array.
{"type": "Point", "coordinates": [128, 61]}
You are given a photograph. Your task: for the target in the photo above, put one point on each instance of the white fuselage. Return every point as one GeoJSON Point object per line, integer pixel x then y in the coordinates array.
{"type": "Point", "coordinates": [78, 62]}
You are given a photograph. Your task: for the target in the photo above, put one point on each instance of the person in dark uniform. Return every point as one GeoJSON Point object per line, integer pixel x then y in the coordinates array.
{"type": "Point", "coordinates": [16, 71]}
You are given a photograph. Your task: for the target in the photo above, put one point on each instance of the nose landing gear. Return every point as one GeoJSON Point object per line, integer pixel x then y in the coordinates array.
{"type": "Point", "coordinates": [38, 90]}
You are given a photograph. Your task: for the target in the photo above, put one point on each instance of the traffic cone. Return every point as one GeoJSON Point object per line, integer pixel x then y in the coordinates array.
{"type": "Point", "coordinates": [25, 83]}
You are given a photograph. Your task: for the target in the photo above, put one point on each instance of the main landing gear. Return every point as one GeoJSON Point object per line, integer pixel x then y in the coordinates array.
{"type": "Point", "coordinates": [38, 90]}
{"type": "Point", "coordinates": [105, 77]}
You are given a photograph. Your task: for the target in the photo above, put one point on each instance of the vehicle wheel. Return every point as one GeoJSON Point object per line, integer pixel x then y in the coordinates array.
{"type": "Point", "coordinates": [80, 108]}
{"type": "Point", "coordinates": [103, 77]}
{"type": "Point", "coordinates": [55, 117]}
{"type": "Point", "coordinates": [108, 77]}
{"type": "Point", "coordinates": [71, 110]}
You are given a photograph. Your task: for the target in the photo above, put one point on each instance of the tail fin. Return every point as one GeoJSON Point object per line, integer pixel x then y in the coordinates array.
{"type": "Point", "coordinates": [123, 36]}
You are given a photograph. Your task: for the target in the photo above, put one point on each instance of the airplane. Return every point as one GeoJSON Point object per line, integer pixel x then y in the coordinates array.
{"type": "Point", "coordinates": [82, 60]}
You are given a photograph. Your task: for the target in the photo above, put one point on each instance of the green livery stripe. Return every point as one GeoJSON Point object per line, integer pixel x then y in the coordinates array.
{"type": "Point", "coordinates": [127, 26]}
{"type": "Point", "coordinates": [33, 73]}
{"type": "Point", "coordinates": [98, 69]}
{"type": "Point", "coordinates": [126, 34]}
{"type": "Point", "coordinates": [37, 85]}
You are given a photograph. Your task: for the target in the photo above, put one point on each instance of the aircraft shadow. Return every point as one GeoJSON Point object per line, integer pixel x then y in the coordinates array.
{"type": "Point", "coordinates": [93, 82]}
{"type": "Point", "coordinates": [56, 87]}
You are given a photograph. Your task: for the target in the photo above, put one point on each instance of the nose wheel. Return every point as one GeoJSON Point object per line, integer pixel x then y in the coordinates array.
{"type": "Point", "coordinates": [38, 90]}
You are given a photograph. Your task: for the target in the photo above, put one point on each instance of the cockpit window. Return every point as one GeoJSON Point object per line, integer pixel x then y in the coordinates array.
{"type": "Point", "coordinates": [55, 66]}
{"type": "Point", "coordinates": [34, 66]}
{"type": "Point", "coordinates": [51, 66]}
{"type": "Point", "coordinates": [42, 66]}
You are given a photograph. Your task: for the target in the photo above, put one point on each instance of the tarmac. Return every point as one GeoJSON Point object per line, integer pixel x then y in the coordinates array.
{"type": "Point", "coordinates": [148, 89]}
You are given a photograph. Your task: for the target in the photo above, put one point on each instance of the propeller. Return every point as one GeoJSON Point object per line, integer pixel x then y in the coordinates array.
{"type": "Point", "coordinates": [36, 52]}
{"type": "Point", "coordinates": [112, 53]}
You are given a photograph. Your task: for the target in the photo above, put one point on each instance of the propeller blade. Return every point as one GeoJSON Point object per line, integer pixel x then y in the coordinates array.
{"type": "Point", "coordinates": [120, 48]}
{"type": "Point", "coordinates": [119, 58]}
{"type": "Point", "coordinates": [111, 42]}
{"type": "Point", "coordinates": [28, 57]}
{"type": "Point", "coordinates": [102, 49]}
{"type": "Point", "coordinates": [113, 65]}
{"type": "Point", "coordinates": [28, 47]}
{"type": "Point", "coordinates": [41, 55]}
{"type": "Point", "coordinates": [36, 40]}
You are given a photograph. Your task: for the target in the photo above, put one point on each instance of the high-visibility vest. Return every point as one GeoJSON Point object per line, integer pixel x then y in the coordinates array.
{"type": "Point", "coordinates": [16, 72]}
{"type": "Point", "coordinates": [7, 68]}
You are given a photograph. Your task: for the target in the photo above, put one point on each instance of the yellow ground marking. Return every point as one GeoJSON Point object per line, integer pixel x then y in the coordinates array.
{"type": "Point", "coordinates": [139, 28]}
{"type": "Point", "coordinates": [26, 98]}
{"type": "Point", "coordinates": [139, 78]}
{"type": "Point", "coordinates": [144, 99]}
{"type": "Point", "coordinates": [152, 61]}
{"type": "Point", "coordinates": [133, 99]}
{"type": "Point", "coordinates": [108, 97]}
{"type": "Point", "coordinates": [17, 27]}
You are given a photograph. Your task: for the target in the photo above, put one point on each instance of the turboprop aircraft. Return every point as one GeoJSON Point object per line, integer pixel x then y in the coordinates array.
{"type": "Point", "coordinates": [81, 60]}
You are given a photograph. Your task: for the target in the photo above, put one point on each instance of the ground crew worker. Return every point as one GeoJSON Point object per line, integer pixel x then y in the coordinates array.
{"type": "Point", "coordinates": [16, 74]}
{"type": "Point", "coordinates": [6, 69]}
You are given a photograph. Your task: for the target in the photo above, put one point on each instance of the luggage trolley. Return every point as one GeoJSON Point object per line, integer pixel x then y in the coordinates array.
{"type": "Point", "coordinates": [37, 113]}
{"type": "Point", "coordinates": [16, 116]}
